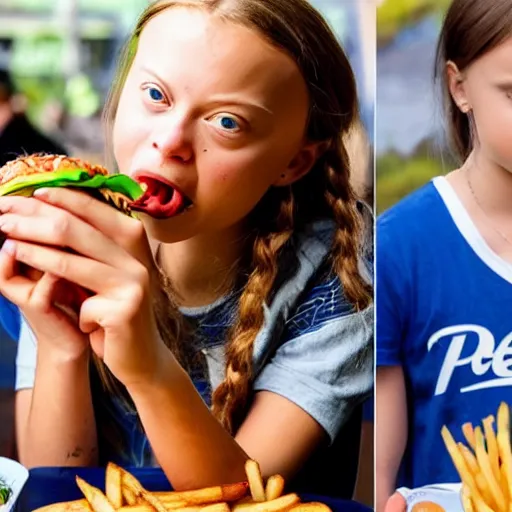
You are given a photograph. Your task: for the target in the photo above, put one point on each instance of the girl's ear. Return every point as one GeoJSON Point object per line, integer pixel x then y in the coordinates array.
{"type": "Point", "coordinates": [302, 163]}
{"type": "Point", "coordinates": [456, 82]}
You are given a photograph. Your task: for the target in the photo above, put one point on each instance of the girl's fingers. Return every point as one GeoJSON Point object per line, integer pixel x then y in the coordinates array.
{"type": "Point", "coordinates": [21, 290]}
{"type": "Point", "coordinates": [13, 287]}
{"type": "Point", "coordinates": [64, 230]}
{"type": "Point", "coordinates": [396, 503]}
{"type": "Point", "coordinates": [85, 272]}
{"type": "Point", "coordinates": [42, 293]}
{"type": "Point", "coordinates": [7, 263]}
{"type": "Point", "coordinates": [124, 230]}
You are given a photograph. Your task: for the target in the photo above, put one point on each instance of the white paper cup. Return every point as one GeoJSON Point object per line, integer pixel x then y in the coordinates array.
{"type": "Point", "coordinates": [447, 496]}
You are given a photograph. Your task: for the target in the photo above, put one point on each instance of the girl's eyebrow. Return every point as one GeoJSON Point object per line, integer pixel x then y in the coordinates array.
{"type": "Point", "coordinates": [505, 84]}
{"type": "Point", "coordinates": [219, 100]}
{"type": "Point", "coordinates": [239, 102]}
{"type": "Point", "coordinates": [149, 71]}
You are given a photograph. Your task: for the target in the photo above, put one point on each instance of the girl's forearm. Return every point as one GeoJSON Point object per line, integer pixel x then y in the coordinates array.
{"type": "Point", "coordinates": [391, 438]}
{"type": "Point", "coordinates": [61, 429]}
{"type": "Point", "coordinates": [191, 446]}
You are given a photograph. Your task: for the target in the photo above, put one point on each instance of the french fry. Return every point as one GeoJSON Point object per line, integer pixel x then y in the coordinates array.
{"type": "Point", "coordinates": [222, 493]}
{"type": "Point", "coordinates": [467, 430]}
{"type": "Point", "coordinates": [467, 505]}
{"type": "Point", "coordinates": [175, 505]}
{"type": "Point", "coordinates": [97, 500]}
{"type": "Point", "coordinates": [480, 505]}
{"type": "Point", "coordinates": [311, 507]}
{"type": "Point", "coordinates": [113, 486]}
{"type": "Point", "coordinates": [484, 462]}
{"type": "Point", "coordinates": [469, 458]}
{"type": "Point", "coordinates": [492, 446]}
{"type": "Point", "coordinates": [252, 469]}
{"type": "Point", "coordinates": [66, 506]}
{"type": "Point", "coordinates": [483, 487]}
{"type": "Point", "coordinates": [460, 464]}
{"type": "Point", "coordinates": [136, 508]}
{"type": "Point", "coordinates": [503, 439]}
{"type": "Point", "coordinates": [216, 507]}
{"type": "Point", "coordinates": [275, 487]}
{"type": "Point", "coordinates": [503, 481]}
{"type": "Point", "coordinates": [281, 504]}
{"type": "Point", "coordinates": [129, 496]}
{"type": "Point", "coordinates": [130, 482]}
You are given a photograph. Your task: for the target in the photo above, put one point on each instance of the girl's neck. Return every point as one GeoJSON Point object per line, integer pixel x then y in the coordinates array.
{"type": "Point", "coordinates": [489, 184]}
{"type": "Point", "coordinates": [485, 189]}
{"type": "Point", "coordinates": [203, 268]}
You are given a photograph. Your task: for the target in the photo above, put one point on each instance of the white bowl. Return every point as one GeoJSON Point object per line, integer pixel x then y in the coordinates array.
{"type": "Point", "coordinates": [15, 476]}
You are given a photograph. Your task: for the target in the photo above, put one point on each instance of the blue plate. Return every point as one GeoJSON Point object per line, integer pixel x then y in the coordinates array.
{"type": "Point", "coordinates": [52, 485]}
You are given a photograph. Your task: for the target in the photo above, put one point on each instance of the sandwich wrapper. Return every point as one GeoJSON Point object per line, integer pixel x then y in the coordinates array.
{"type": "Point", "coordinates": [447, 496]}
{"type": "Point", "coordinates": [14, 475]}
{"type": "Point", "coordinates": [26, 184]}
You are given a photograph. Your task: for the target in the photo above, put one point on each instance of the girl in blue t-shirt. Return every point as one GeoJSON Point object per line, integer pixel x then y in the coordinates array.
{"type": "Point", "coordinates": [245, 328]}
{"type": "Point", "coordinates": [444, 266]}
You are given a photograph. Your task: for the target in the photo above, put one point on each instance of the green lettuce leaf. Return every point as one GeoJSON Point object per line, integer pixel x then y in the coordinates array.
{"type": "Point", "coordinates": [25, 185]}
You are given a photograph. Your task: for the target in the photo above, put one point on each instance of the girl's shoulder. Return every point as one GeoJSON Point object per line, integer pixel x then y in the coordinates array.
{"type": "Point", "coordinates": [313, 295]}
{"type": "Point", "coordinates": [422, 205]}
{"type": "Point", "coordinates": [322, 301]}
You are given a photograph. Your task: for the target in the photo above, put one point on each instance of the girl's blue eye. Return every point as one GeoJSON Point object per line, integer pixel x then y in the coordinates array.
{"type": "Point", "coordinates": [155, 94]}
{"type": "Point", "coordinates": [228, 123]}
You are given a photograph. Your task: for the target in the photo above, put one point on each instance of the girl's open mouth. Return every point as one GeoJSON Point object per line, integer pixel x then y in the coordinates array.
{"type": "Point", "coordinates": [161, 199]}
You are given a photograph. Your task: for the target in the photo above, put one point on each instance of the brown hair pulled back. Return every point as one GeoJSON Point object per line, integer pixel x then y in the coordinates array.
{"type": "Point", "coordinates": [471, 28]}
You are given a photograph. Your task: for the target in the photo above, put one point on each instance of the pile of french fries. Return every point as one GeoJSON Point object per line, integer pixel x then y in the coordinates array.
{"type": "Point", "coordinates": [124, 493]}
{"type": "Point", "coordinates": [485, 466]}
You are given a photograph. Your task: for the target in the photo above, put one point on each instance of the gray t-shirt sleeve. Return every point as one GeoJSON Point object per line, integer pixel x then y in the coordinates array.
{"type": "Point", "coordinates": [327, 372]}
{"type": "Point", "coordinates": [26, 358]}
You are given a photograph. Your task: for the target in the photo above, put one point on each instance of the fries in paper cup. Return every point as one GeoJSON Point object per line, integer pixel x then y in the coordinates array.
{"type": "Point", "coordinates": [485, 463]}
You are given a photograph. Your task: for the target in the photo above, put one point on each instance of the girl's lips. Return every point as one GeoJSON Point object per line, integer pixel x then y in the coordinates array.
{"type": "Point", "coordinates": [161, 198]}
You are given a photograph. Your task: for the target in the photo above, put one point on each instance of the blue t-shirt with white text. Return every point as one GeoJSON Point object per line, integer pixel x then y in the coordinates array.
{"type": "Point", "coordinates": [444, 313]}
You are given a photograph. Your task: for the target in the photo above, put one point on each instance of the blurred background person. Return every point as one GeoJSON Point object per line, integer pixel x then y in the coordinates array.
{"type": "Point", "coordinates": [18, 136]}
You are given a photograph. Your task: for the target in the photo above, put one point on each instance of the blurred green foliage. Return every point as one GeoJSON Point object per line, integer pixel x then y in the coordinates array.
{"type": "Point", "coordinates": [393, 15]}
{"type": "Point", "coordinates": [398, 176]}
{"type": "Point", "coordinates": [40, 91]}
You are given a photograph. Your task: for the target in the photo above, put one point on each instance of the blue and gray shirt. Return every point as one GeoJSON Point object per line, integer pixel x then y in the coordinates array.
{"type": "Point", "coordinates": [313, 349]}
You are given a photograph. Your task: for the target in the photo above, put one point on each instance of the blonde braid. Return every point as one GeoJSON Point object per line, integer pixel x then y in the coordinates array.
{"type": "Point", "coordinates": [231, 396]}
{"type": "Point", "coordinates": [348, 238]}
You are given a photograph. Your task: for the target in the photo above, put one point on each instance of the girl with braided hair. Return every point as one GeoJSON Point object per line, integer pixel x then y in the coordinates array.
{"type": "Point", "coordinates": [236, 319]}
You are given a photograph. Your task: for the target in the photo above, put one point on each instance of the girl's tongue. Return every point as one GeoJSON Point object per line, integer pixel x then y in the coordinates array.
{"type": "Point", "coordinates": [159, 200]}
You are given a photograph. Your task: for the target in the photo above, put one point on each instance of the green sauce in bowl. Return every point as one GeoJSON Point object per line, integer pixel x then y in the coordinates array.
{"type": "Point", "coordinates": [5, 493]}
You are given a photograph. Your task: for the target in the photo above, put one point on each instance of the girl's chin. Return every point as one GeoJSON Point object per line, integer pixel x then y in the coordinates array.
{"type": "Point", "coordinates": [167, 231]}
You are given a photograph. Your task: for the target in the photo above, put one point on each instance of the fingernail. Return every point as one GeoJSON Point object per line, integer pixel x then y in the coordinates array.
{"type": "Point", "coordinates": [9, 247]}
{"type": "Point", "coordinates": [40, 192]}
{"type": "Point", "coordinates": [5, 226]}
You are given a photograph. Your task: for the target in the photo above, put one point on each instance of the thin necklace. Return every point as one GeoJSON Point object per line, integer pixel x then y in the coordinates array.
{"type": "Point", "coordinates": [489, 221]}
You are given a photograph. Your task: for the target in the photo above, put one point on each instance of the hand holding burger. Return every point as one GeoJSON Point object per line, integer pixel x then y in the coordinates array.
{"type": "Point", "coordinates": [88, 239]}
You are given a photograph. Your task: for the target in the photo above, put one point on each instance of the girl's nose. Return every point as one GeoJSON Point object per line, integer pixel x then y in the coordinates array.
{"type": "Point", "coordinates": [173, 142]}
